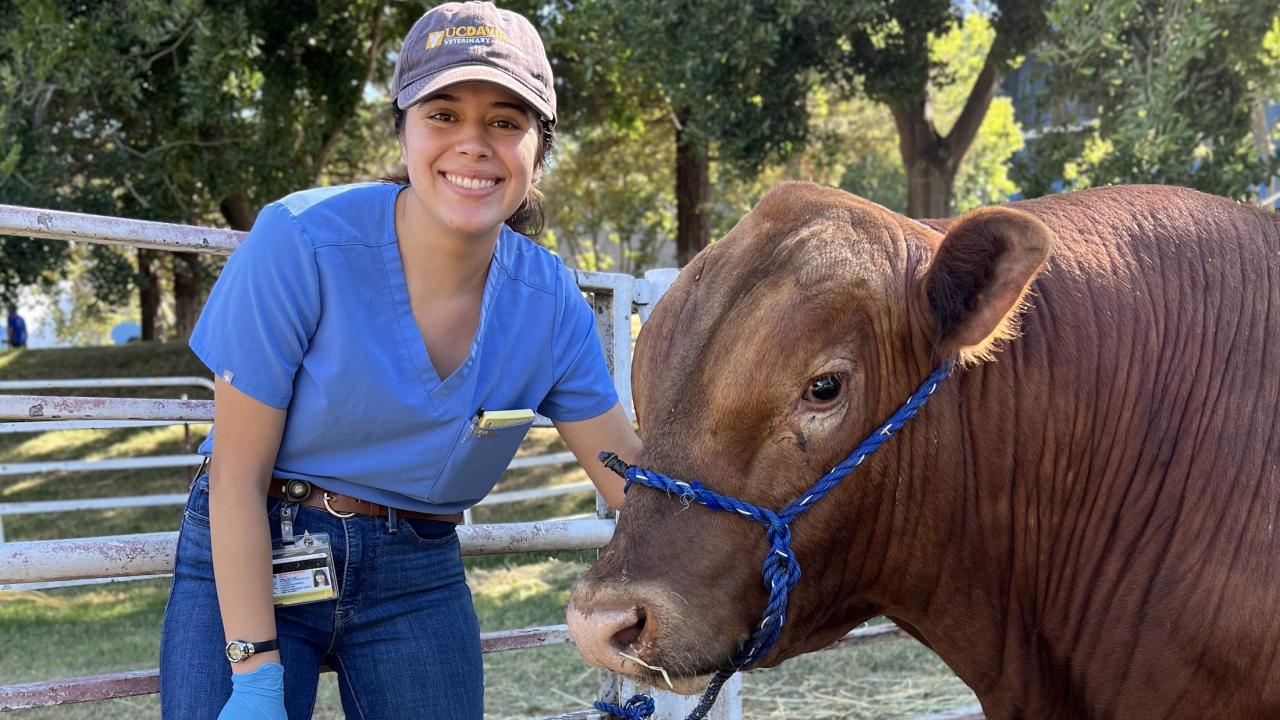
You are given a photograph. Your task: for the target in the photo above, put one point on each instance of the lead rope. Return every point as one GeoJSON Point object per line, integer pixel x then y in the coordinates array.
{"type": "Point", "coordinates": [780, 569]}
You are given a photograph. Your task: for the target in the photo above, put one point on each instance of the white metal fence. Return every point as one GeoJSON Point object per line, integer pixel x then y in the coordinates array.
{"type": "Point", "coordinates": [614, 298]}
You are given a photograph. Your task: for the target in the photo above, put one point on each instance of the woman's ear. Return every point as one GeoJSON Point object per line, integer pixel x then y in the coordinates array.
{"type": "Point", "coordinates": [979, 278]}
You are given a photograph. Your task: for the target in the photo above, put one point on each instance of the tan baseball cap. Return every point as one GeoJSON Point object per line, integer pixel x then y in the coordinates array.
{"type": "Point", "coordinates": [474, 41]}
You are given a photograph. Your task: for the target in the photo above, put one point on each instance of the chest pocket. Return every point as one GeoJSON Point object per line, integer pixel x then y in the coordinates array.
{"type": "Point", "coordinates": [476, 462]}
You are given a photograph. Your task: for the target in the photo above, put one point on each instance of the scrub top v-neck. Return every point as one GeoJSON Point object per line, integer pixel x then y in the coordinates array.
{"type": "Point", "coordinates": [439, 389]}
{"type": "Point", "coordinates": [312, 314]}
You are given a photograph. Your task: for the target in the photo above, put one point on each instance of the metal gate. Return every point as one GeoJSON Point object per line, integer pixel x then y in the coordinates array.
{"type": "Point", "coordinates": [614, 297]}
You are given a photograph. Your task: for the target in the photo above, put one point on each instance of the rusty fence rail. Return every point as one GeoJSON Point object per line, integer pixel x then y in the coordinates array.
{"type": "Point", "coordinates": [144, 682]}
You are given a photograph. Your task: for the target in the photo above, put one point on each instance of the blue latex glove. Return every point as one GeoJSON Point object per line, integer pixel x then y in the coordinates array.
{"type": "Point", "coordinates": [257, 695]}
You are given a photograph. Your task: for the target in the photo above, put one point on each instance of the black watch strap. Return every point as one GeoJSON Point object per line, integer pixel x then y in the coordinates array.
{"type": "Point", "coordinates": [239, 650]}
{"type": "Point", "coordinates": [266, 646]}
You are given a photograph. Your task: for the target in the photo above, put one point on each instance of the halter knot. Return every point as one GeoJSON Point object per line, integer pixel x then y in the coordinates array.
{"type": "Point", "coordinates": [638, 707]}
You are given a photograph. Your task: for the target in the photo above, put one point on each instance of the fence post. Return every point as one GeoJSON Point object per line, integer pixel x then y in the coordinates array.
{"type": "Point", "coordinates": [613, 321]}
{"type": "Point", "coordinates": [670, 705]}
{"type": "Point", "coordinates": [652, 288]}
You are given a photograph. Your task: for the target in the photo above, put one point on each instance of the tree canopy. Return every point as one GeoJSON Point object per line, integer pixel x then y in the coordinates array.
{"type": "Point", "coordinates": [731, 77]}
{"type": "Point", "coordinates": [1154, 92]}
{"type": "Point", "coordinates": [674, 116]}
{"type": "Point", "coordinates": [194, 111]}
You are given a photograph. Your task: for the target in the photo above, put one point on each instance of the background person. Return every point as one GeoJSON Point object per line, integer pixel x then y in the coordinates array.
{"type": "Point", "coordinates": [17, 329]}
{"type": "Point", "coordinates": [461, 316]}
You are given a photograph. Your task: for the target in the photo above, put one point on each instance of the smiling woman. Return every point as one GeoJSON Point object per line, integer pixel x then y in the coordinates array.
{"type": "Point", "coordinates": [528, 216]}
{"type": "Point", "coordinates": [381, 351]}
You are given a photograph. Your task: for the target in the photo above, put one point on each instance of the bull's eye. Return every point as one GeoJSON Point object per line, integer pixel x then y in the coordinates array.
{"type": "Point", "coordinates": [823, 389]}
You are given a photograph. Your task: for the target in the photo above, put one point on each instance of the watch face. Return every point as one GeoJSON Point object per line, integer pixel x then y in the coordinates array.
{"type": "Point", "coordinates": [236, 651]}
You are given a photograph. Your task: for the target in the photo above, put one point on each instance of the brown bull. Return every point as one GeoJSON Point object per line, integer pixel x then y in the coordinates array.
{"type": "Point", "coordinates": [1083, 521]}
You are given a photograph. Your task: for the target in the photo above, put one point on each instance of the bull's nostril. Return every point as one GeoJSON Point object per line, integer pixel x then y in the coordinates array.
{"type": "Point", "coordinates": [623, 638]}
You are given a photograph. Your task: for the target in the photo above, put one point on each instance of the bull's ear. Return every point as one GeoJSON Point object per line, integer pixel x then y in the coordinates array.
{"type": "Point", "coordinates": [977, 283]}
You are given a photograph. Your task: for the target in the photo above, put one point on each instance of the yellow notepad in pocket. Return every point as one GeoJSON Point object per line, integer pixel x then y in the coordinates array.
{"type": "Point", "coordinates": [493, 419]}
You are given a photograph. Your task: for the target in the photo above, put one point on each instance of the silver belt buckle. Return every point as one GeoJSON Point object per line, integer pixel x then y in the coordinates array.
{"type": "Point", "coordinates": [340, 515]}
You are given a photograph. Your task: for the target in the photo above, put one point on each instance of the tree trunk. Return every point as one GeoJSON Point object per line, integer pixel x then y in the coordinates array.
{"type": "Point", "coordinates": [237, 211]}
{"type": "Point", "coordinates": [148, 292]}
{"type": "Point", "coordinates": [1262, 141]}
{"type": "Point", "coordinates": [693, 196]}
{"type": "Point", "coordinates": [930, 160]}
{"type": "Point", "coordinates": [188, 277]}
{"type": "Point", "coordinates": [189, 272]}
{"type": "Point", "coordinates": [929, 189]}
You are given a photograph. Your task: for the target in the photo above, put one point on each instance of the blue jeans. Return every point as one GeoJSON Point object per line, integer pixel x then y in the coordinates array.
{"type": "Point", "coordinates": [402, 637]}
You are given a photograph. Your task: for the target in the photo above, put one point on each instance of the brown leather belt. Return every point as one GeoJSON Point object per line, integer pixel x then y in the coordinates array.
{"type": "Point", "coordinates": [345, 505]}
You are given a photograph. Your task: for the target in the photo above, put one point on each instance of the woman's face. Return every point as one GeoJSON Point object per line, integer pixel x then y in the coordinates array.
{"type": "Point", "coordinates": [472, 152]}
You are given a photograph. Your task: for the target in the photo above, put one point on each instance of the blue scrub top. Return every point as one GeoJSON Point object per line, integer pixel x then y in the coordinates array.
{"type": "Point", "coordinates": [312, 314]}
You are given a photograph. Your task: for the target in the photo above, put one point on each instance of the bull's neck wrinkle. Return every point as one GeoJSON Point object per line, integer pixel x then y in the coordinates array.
{"type": "Point", "coordinates": [982, 552]}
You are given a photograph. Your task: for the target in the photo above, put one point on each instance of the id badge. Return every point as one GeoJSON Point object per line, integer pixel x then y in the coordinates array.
{"type": "Point", "coordinates": [302, 571]}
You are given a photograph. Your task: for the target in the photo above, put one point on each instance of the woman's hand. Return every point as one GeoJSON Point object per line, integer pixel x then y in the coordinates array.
{"type": "Point", "coordinates": [257, 695]}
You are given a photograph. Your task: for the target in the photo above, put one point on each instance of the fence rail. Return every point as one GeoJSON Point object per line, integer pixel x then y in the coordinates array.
{"type": "Point", "coordinates": [192, 460]}
{"type": "Point", "coordinates": [153, 553]}
{"type": "Point", "coordinates": [174, 381]}
{"type": "Point", "coordinates": [148, 234]}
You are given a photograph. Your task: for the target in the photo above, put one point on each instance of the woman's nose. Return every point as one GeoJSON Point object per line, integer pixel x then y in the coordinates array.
{"type": "Point", "coordinates": [474, 141]}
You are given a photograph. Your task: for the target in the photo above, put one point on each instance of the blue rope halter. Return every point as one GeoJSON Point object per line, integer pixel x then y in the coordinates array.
{"type": "Point", "coordinates": [780, 570]}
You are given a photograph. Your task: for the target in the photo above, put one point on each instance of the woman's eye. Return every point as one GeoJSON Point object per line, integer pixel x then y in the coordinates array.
{"type": "Point", "coordinates": [440, 115]}
{"type": "Point", "coordinates": [823, 389]}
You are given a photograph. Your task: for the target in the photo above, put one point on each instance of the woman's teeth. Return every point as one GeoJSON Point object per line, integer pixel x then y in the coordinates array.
{"type": "Point", "coordinates": [470, 183]}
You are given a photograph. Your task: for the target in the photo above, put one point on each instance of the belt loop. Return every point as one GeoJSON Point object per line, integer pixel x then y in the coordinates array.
{"type": "Point", "coordinates": [391, 521]}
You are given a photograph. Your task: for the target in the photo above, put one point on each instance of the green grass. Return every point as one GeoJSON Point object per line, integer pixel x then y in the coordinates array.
{"type": "Point", "coordinates": [73, 632]}
{"type": "Point", "coordinates": [139, 359]}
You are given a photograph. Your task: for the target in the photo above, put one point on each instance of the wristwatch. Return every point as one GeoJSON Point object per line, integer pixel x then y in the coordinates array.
{"type": "Point", "coordinates": [239, 650]}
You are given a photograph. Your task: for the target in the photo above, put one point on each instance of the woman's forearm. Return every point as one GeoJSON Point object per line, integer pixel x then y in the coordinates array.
{"type": "Point", "coordinates": [245, 442]}
{"type": "Point", "coordinates": [242, 565]}
{"type": "Point", "coordinates": [610, 431]}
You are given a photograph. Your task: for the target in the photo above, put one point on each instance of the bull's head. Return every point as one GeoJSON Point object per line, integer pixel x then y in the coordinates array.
{"type": "Point", "coordinates": [775, 352]}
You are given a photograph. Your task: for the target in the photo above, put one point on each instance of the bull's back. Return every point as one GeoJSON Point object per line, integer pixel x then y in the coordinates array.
{"type": "Point", "coordinates": [1150, 348]}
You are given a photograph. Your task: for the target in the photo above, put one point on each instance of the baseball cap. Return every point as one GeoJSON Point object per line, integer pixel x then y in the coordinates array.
{"type": "Point", "coordinates": [474, 41]}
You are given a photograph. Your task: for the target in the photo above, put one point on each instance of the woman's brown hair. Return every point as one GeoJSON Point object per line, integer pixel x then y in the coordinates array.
{"type": "Point", "coordinates": [528, 219]}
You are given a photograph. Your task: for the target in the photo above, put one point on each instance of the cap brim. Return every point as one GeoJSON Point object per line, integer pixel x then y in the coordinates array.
{"type": "Point", "coordinates": [433, 84]}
